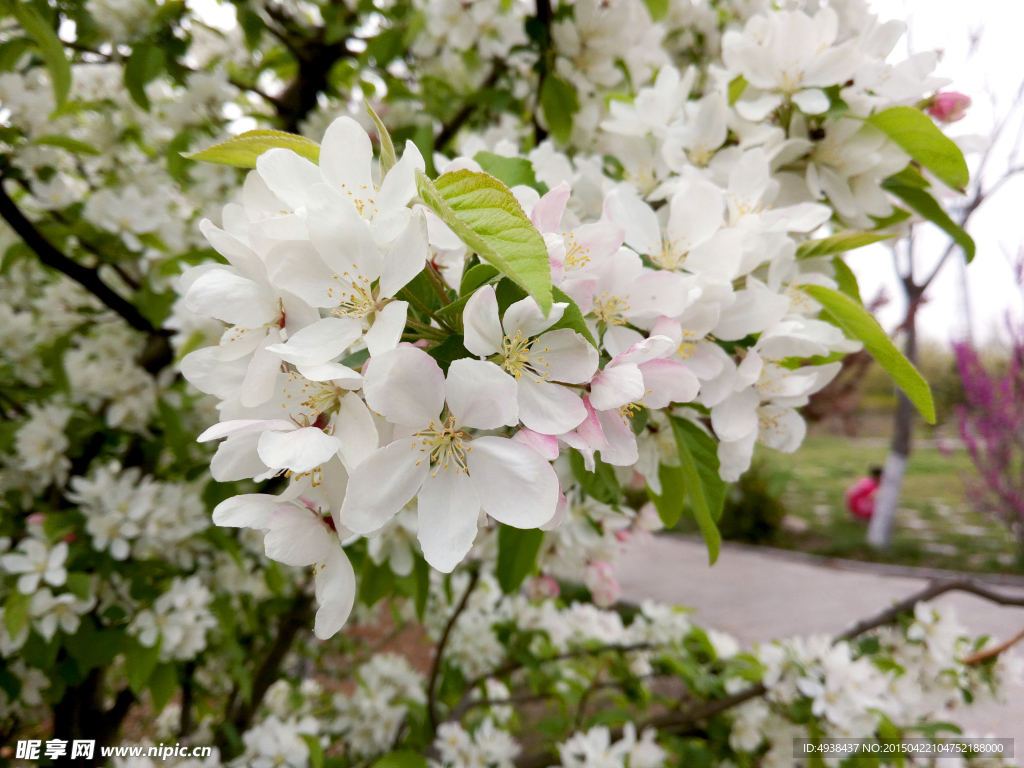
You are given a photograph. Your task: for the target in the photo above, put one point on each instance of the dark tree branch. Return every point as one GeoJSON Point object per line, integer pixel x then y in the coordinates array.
{"type": "Point", "coordinates": [53, 258]}
{"type": "Point", "coordinates": [435, 668]}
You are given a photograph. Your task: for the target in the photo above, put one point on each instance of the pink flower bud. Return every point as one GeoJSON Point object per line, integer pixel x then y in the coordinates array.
{"type": "Point", "coordinates": [601, 582]}
{"type": "Point", "coordinates": [542, 588]}
{"type": "Point", "coordinates": [36, 518]}
{"type": "Point", "coordinates": [949, 106]}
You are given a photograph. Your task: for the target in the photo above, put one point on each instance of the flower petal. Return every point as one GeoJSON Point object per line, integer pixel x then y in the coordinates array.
{"type": "Point", "coordinates": [565, 356]}
{"type": "Point", "coordinates": [232, 298]}
{"type": "Point", "coordinates": [335, 592]}
{"type": "Point", "coordinates": [382, 484]}
{"type": "Point", "coordinates": [345, 157]}
{"type": "Point", "coordinates": [247, 510]}
{"type": "Point", "coordinates": [483, 332]}
{"type": "Point", "coordinates": [481, 395]}
{"type": "Point", "coordinates": [548, 408]}
{"type": "Point", "coordinates": [297, 536]}
{"type": "Point", "coordinates": [405, 256]}
{"type": "Point", "coordinates": [386, 331]}
{"type": "Point", "coordinates": [616, 386]}
{"type": "Point", "coordinates": [449, 508]}
{"type": "Point", "coordinates": [357, 430]}
{"type": "Point", "coordinates": [300, 451]}
{"type": "Point", "coordinates": [321, 342]}
{"type": "Point", "coordinates": [517, 486]}
{"type": "Point", "coordinates": [341, 236]}
{"type": "Point", "coordinates": [525, 316]}
{"type": "Point", "coordinates": [288, 175]}
{"type": "Point", "coordinates": [406, 386]}
{"type": "Point", "coordinates": [667, 381]}
{"type": "Point", "coordinates": [547, 213]}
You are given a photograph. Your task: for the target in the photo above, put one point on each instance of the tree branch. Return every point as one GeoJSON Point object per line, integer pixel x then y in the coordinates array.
{"type": "Point", "coordinates": [435, 668]}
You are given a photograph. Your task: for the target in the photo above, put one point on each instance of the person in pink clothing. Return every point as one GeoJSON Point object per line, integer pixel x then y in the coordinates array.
{"type": "Point", "coordinates": [860, 498]}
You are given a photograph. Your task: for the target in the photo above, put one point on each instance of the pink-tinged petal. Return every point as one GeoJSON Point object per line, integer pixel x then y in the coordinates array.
{"type": "Point", "coordinates": [405, 256]}
{"type": "Point", "coordinates": [320, 342]}
{"type": "Point", "coordinates": [525, 317]}
{"type": "Point", "coordinates": [565, 356]}
{"type": "Point", "coordinates": [695, 214]}
{"type": "Point", "coordinates": [659, 293]}
{"type": "Point", "coordinates": [755, 309]}
{"type": "Point", "coordinates": [232, 298]}
{"type": "Point", "coordinates": [383, 483]}
{"type": "Point", "coordinates": [644, 350]}
{"type": "Point", "coordinates": [517, 486]}
{"type": "Point", "coordinates": [581, 290]}
{"type": "Point", "coordinates": [287, 175]}
{"type": "Point", "coordinates": [575, 441]}
{"type": "Point", "coordinates": [298, 536]}
{"type": "Point", "coordinates": [481, 395]}
{"type": "Point", "coordinates": [483, 335]}
{"type": "Point", "coordinates": [399, 186]}
{"type": "Point", "coordinates": [247, 510]}
{"type": "Point", "coordinates": [448, 511]}
{"type": "Point", "coordinates": [237, 459]}
{"type": "Point", "coordinates": [616, 386]}
{"type": "Point", "coordinates": [560, 509]}
{"type": "Point", "coordinates": [545, 445]}
{"type": "Point", "coordinates": [736, 417]}
{"type": "Point", "coordinates": [597, 241]}
{"type": "Point", "coordinates": [341, 236]}
{"type": "Point", "coordinates": [357, 430]}
{"type": "Point", "coordinates": [260, 381]}
{"type": "Point", "coordinates": [618, 340]}
{"type": "Point", "coordinates": [335, 592]}
{"type": "Point", "coordinates": [345, 157]}
{"type": "Point", "coordinates": [547, 213]}
{"type": "Point", "coordinates": [641, 229]}
{"type": "Point", "coordinates": [667, 382]}
{"type": "Point", "coordinates": [548, 408]}
{"type": "Point", "coordinates": [734, 457]}
{"type": "Point", "coordinates": [386, 331]}
{"type": "Point", "coordinates": [669, 328]}
{"type": "Point", "coordinates": [296, 266]}
{"type": "Point", "coordinates": [245, 426]}
{"type": "Point", "coordinates": [300, 451]}
{"type": "Point", "coordinates": [406, 386]}
{"type": "Point", "coordinates": [621, 450]}
{"type": "Point", "coordinates": [782, 429]}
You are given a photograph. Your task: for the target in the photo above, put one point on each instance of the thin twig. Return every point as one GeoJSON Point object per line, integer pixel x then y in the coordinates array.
{"type": "Point", "coordinates": [435, 668]}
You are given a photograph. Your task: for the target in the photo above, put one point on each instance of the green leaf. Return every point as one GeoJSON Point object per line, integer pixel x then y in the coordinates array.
{"type": "Point", "coordinates": [920, 138]}
{"type": "Point", "coordinates": [898, 215]}
{"type": "Point", "coordinates": [162, 685]}
{"type": "Point", "coordinates": [16, 611]}
{"type": "Point", "coordinates": [517, 555]}
{"type": "Point", "coordinates": [242, 150]}
{"type": "Point", "coordinates": [572, 318]}
{"type": "Point", "coordinates": [50, 48]}
{"type": "Point", "coordinates": [421, 573]}
{"type": "Point", "coordinates": [387, 148]}
{"type": "Point", "coordinates": [839, 243]}
{"type": "Point", "coordinates": [475, 277]}
{"type": "Point", "coordinates": [316, 752]}
{"type": "Point", "coordinates": [448, 351]}
{"type": "Point", "coordinates": [12, 51]}
{"type": "Point", "coordinates": [79, 584]}
{"type": "Point", "coordinates": [698, 459]}
{"type": "Point", "coordinates": [673, 492]}
{"type": "Point", "coordinates": [736, 88]}
{"type": "Point", "coordinates": [559, 102]}
{"type": "Point", "coordinates": [375, 582]}
{"type": "Point", "coordinates": [657, 8]}
{"type": "Point", "coordinates": [487, 217]}
{"type": "Point", "coordinates": [144, 65]}
{"type": "Point", "coordinates": [857, 323]}
{"type": "Point", "coordinates": [601, 484]}
{"type": "Point", "coordinates": [140, 662]}
{"type": "Point", "coordinates": [511, 171]}
{"type": "Point", "coordinates": [927, 206]}
{"type": "Point", "coordinates": [64, 142]}
{"type": "Point", "coordinates": [846, 279]}
{"type": "Point", "coordinates": [401, 759]}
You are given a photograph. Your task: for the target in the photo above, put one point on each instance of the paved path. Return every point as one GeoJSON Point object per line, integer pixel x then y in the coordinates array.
{"type": "Point", "coordinates": [759, 597]}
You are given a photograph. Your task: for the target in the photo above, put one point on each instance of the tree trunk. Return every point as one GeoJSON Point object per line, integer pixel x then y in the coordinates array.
{"type": "Point", "coordinates": [884, 516]}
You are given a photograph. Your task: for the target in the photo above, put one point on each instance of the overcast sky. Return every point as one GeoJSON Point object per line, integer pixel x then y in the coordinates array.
{"type": "Point", "coordinates": [996, 65]}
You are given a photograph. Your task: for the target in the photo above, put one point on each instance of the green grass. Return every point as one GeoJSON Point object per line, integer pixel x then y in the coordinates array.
{"type": "Point", "coordinates": [935, 527]}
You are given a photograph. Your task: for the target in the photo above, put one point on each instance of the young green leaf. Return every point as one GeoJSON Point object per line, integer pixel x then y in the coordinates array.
{"type": "Point", "coordinates": [401, 759]}
{"type": "Point", "coordinates": [920, 138]}
{"type": "Point", "coordinates": [140, 663]}
{"type": "Point", "coordinates": [698, 460]}
{"type": "Point", "coordinates": [926, 205]}
{"type": "Point", "coordinates": [487, 217]}
{"type": "Point", "coordinates": [242, 150]}
{"type": "Point", "coordinates": [511, 171]}
{"type": "Point", "coordinates": [736, 88]}
{"type": "Point", "coordinates": [838, 243]}
{"type": "Point", "coordinates": [387, 148]}
{"type": "Point", "coordinates": [846, 279]}
{"type": "Point", "coordinates": [162, 685]}
{"type": "Point", "coordinates": [857, 323]}
{"type": "Point", "coordinates": [601, 484]}
{"type": "Point", "coordinates": [316, 751]}
{"type": "Point", "coordinates": [144, 64]}
{"type": "Point", "coordinates": [476, 276]}
{"type": "Point", "coordinates": [50, 48]}
{"type": "Point", "coordinates": [673, 492]}
{"type": "Point", "coordinates": [559, 102]}
{"type": "Point", "coordinates": [65, 142]}
{"type": "Point", "coordinates": [517, 555]}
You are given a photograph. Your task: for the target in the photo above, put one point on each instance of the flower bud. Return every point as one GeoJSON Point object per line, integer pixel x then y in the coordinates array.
{"type": "Point", "coordinates": [949, 106]}
{"type": "Point", "coordinates": [603, 586]}
{"type": "Point", "coordinates": [542, 588]}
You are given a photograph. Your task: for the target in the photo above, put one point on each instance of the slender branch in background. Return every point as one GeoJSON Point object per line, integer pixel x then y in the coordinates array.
{"type": "Point", "coordinates": [544, 17]}
{"type": "Point", "coordinates": [53, 258]}
{"type": "Point", "coordinates": [435, 667]}
{"type": "Point", "coordinates": [452, 127]}
{"type": "Point", "coordinates": [186, 724]}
